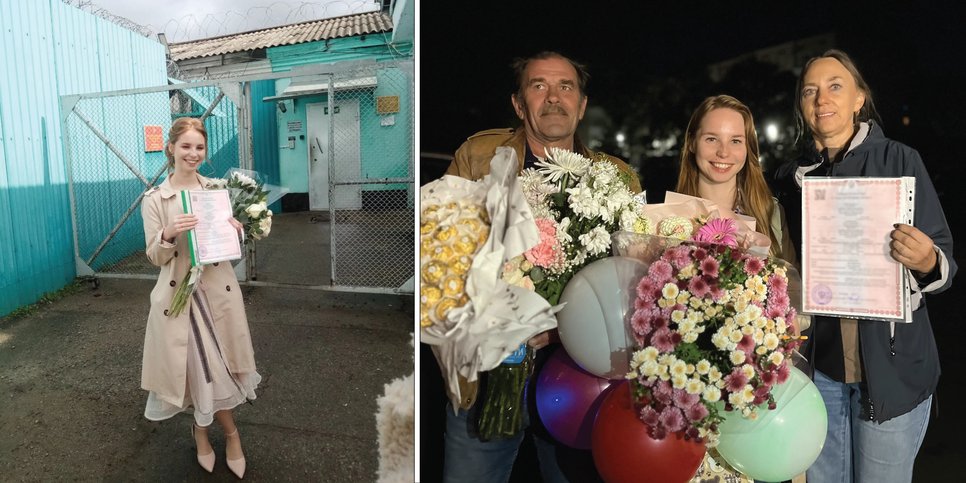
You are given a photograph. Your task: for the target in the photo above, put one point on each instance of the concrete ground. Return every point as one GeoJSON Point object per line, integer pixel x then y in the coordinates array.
{"type": "Point", "coordinates": [71, 407]}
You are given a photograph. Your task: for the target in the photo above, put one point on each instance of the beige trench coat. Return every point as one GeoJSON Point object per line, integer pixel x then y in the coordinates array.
{"type": "Point", "coordinates": [165, 357]}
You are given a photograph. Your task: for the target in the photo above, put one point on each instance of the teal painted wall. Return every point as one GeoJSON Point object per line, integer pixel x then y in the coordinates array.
{"type": "Point", "coordinates": [386, 150]}
{"type": "Point", "coordinates": [49, 49]}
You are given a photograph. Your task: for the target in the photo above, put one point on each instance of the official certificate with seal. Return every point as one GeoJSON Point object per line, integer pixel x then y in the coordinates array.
{"type": "Point", "coordinates": [846, 267]}
{"type": "Point", "coordinates": [213, 239]}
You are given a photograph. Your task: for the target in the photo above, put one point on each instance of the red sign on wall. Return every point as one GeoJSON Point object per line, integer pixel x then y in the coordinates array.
{"type": "Point", "coordinates": [153, 139]}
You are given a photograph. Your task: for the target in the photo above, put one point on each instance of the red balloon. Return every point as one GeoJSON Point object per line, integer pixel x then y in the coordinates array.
{"type": "Point", "coordinates": [625, 452]}
{"type": "Point", "coordinates": [568, 398]}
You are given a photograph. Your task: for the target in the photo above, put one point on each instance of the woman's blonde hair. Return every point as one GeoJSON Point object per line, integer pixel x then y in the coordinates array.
{"type": "Point", "coordinates": [754, 198]}
{"type": "Point", "coordinates": [179, 127]}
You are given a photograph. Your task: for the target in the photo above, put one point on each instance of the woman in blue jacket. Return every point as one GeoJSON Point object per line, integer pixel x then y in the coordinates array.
{"type": "Point", "coordinates": [877, 377]}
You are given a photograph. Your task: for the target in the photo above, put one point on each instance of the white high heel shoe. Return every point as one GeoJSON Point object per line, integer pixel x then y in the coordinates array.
{"type": "Point", "coordinates": [207, 461]}
{"type": "Point", "coordinates": [236, 466]}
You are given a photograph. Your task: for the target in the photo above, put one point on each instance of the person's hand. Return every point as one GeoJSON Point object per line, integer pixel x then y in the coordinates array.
{"type": "Point", "coordinates": [237, 224]}
{"type": "Point", "coordinates": [179, 225]}
{"type": "Point", "coordinates": [912, 248]}
{"type": "Point", "coordinates": [544, 339]}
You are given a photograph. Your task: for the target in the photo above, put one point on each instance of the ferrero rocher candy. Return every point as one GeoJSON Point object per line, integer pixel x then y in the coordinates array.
{"type": "Point", "coordinates": [461, 265]}
{"type": "Point", "coordinates": [424, 320]}
{"type": "Point", "coordinates": [427, 227]}
{"type": "Point", "coordinates": [429, 294]}
{"type": "Point", "coordinates": [466, 245]}
{"type": "Point", "coordinates": [484, 233]}
{"type": "Point", "coordinates": [442, 253]}
{"type": "Point", "coordinates": [433, 272]}
{"type": "Point", "coordinates": [472, 224]}
{"type": "Point", "coordinates": [445, 306]}
{"type": "Point", "coordinates": [426, 245]}
{"type": "Point", "coordinates": [445, 233]}
{"type": "Point", "coordinates": [453, 286]}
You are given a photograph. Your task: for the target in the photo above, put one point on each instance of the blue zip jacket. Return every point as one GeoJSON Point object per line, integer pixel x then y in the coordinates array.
{"type": "Point", "coordinates": [900, 362]}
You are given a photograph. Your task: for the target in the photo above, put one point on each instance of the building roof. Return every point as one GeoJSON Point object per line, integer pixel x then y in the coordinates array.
{"type": "Point", "coordinates": [330, 28]}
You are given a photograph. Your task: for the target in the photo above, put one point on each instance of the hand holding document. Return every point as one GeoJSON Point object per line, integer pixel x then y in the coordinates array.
{"type": "Point", "coordinates": [214, 239]}
{"type": "Point", "coordinates": [847, 270]}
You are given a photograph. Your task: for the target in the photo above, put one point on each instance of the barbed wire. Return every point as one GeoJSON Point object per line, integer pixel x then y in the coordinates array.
{"type": "Point", "coordinates": [189, 27]}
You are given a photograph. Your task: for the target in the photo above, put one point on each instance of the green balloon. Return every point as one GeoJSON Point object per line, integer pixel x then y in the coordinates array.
{"type": "Point", "coordinates": [780, 443]}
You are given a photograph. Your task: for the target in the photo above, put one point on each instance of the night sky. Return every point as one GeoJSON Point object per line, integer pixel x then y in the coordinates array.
{"type": "Point", "coordinates": [912, 56]}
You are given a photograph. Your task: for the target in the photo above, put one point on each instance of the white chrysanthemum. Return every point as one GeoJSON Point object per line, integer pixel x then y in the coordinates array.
{"type": "Point", "coordinates": [561, 163]}
{"type": "Point", "coordinates": [776, 358]}
{"type": "Point", "coordinates": [735, 398]}
{"type": "Point", "coordinates": [759, 336]}
{"type": "Point", "coordinates": [714, 374]}
{"type": "Point", "coordinates": [694, 317]}
{"type": "Point", "coordinates": [771, 341]}
{"type": "Point", "coordinates": [760, 322]}
{"type": "Point", "coordinates": [677, 316]}
{"type": "Point", "coordinates": [679, 368]}
{"type": "Point", "coordinates": [686, 326]}
{"type": "Point", "coordinates": [702, 367]}
{"type": "Point", "coordinates": [747, 394]}
{"type": "Point", "coordinates": [754, 311]}
{"type": "Point", "coordinates": [741, 304]}
{"type": "Point", "coordinates": [650, 353]}
{"type": "Point", "coordinates": [720, 340]}
{"type": "Point", "coordinates": [690, 337]}
{"type": "Point", "coordinates": [779, 326]}
{"type": "Point", "coordinates": [582, 201]}
{"type": "Point", "coordinates": [630, 376]}
{"type": "Point", "coordinates": [734, 335]}
{"type": "Point", "coordinates": [711, 393]}
{"type": "Point", "coordinates": [760, 350]}
{"type": "Point", "coordinates": [670, 291]}
{"type": "Point", "coordinates": [770, 325]}
{"type": "Point", "coordinates": [736, 357]}
{"type": "Point", "coordinates": [694, 386]}
{"type": "Point", "coordinates": [628, 220]}
{"type": "Point", "coordinates": [679, 381]}
{"type": "Point", "coordinates": [780, 271]}
{"type": "Point", "coordinates": [748, 371]}
{"type": "Point", "coordinates": [650, 368]}
{"type": "Point", "coordinates": [748, 330]}
{"type": "Point", "coordinates": [596, 241]}
{"type": "Point", "coordinates": [688, 272]}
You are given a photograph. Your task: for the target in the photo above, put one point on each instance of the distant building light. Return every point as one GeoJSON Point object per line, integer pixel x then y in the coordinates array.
{"type": "Point", "coordinates": [905, 120]}
{"type": "Point", "coordinates": [771, 132]}
{"type": "Point", "coordinates": [620, 138]}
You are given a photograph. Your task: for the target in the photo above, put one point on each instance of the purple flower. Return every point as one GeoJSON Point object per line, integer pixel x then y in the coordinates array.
{"type": "Point", "coordinates": [684, 400]}
{"type": "Point", "coordinates": [735, 381]}
{"type": "Point", "coordinates": [709, 266]}
{"type": "Point", "coordinates": [663, 392]}
{"type": "Point", "coordinates": [696, 412]}
{"type": "Point", "coordinates": [661, 271]}
{"type": "Point", "coordinates": [649, 289]}
{"type": "Point", "coordinates": [746, 344]}
{"type": "Point", "coordinates": [699, 287]}
{"type": "Point", "coordinates": [777, 283]}
{"type": "Point", "coordinates": [649, 416]}
{"type": "Point", "coordinates": [640, 321]}
{"type": "Point", "coordinates": [661, 340]}
{"type": "Point", "coordinates": [718, 230]}
{"type": "Point", "coordinates": [679, 256]}
{"type": "Point", "coordinates": [769, 378]}
{"type": "Point", "coordinates": [753, 265]}
{"type": "Point", "coordinates": [783, 373]}
{"type": "Point", "coordinates": [672, 419]}
{"type": "Point", "coordinates": [699, 253]}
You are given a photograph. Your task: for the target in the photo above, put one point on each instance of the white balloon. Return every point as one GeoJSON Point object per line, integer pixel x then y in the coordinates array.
{"type": "Point", "coordinates": [594, 324]}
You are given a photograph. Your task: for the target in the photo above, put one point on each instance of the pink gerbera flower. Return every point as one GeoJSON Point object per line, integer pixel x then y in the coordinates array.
{"type": "Point", "coordinates": [718, 230]}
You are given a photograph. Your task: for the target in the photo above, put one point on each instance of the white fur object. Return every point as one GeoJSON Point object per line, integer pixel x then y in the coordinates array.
{"type": "Point", "coordinates": [395, 422]}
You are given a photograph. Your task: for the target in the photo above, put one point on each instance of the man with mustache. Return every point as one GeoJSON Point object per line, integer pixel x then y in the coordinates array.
{"type": "Point", "coordinates": [550, 101]}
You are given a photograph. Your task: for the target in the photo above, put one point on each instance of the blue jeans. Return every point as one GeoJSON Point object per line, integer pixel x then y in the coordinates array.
{"type": "Point", "coordinates": [865, 451]}
{"type": "Point", "coordinates": [467, 459]}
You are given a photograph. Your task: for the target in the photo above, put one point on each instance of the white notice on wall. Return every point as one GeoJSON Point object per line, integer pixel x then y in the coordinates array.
{"type": "Point", "coordinates": [387, 121]}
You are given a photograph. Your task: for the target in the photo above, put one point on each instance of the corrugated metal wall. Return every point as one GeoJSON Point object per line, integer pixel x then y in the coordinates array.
{"type": "Point", "coordinates": [49, 49]}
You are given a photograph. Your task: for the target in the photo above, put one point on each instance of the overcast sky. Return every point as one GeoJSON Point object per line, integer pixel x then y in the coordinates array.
{"type": "Point", "coordinates": [182, 20]}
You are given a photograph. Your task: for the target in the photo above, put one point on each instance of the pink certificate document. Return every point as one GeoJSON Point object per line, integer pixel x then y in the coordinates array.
{"type": "Point", "coordinates": [213, 239]}
{"type": "Point", "coordinates": [846, 267]}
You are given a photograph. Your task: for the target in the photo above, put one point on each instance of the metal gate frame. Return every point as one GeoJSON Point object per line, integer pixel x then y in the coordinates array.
{"type": "Point", "coordinates": [238, 89]}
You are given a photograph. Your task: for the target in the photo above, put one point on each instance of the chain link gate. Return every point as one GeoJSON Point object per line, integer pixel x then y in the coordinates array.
{"type": "Point", "coordinates": [370, 125]}
{"type": "Point", "coordinates": [371, 203]}
{"type": "Point", "coordinates": [115, 152]}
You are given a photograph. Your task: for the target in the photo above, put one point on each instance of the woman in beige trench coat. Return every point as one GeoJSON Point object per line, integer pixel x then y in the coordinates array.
{"type": "Point", "coordinates": [201, 360]}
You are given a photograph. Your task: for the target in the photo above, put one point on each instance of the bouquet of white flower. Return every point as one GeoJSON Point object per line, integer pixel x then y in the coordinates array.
{"type": "Point", "coordinates": [249, 205]}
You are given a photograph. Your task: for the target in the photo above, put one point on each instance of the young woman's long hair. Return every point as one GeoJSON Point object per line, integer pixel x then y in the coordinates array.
{"type": "Point", "coordinates": [754, 198]}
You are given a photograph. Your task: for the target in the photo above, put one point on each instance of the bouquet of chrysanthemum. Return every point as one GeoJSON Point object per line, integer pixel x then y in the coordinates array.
{"type": "Point", "coordinates": [577, 203]}
{"type": "Point", "coordinates": [249, 205]}
{"type": "Point", "coordinates": [712, 326]}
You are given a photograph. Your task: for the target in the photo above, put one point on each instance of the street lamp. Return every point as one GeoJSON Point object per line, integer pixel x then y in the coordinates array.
{"type": "Point", "coordinates": [771, 132]}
